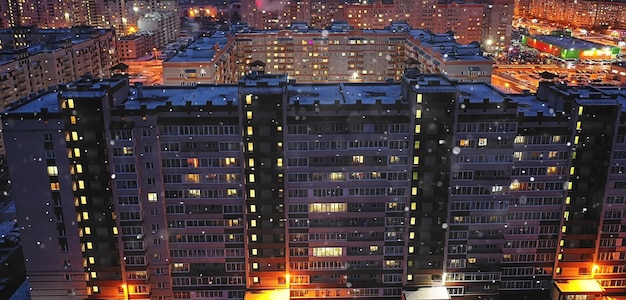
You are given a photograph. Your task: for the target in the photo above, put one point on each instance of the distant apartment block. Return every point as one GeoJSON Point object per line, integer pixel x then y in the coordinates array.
{"type": "Point", "coordinates": [587, 14]}
{"type": "Point", "coordinates": [33, 60]}
{"type": "Point", "coordinates": [481, 20]}
{"type": "Point", "coordinates": [340, 190]}
{"type": "Point", "coordinates": [165, 25]}
{"type": "Point", "coordinates": [136, 45]}
{"type": "Point", "coordinates": [337, 54]}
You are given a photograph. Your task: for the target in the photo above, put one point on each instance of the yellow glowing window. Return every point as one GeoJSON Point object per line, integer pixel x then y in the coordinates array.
{"type": "Point", "coordinates": [249, 115]}
{"type": "Point", "coordinates": [249, 130]}
{"type": "Point", "coordinates": [357, 159]}
{"type": "Point", "coordinates": [70, 103]}
{"type": "Point", "coordinates": [192, 178]}
{"type": "Point", "coordinates": [416, 160]}
{"type": "Point", "coordinates": [576, 140]}
{"type": "Point", "coordinates": [411, 235]}
{"type": "Point", "coordinates": [95, 288]}
{"type": "Point", "coordinates": [153, 197]}
{"type": "Point", "coordinates": [252, 208]}
{"type": "Point", "coordinates": [414, 191]}
{"type": "Point", "coordinates": [76, 152]}
{"type": "Point", "coordinates": [85, 215]}
{"type": "Point", "coordinates": [579, 125]}
{"type": "Point", "coordinates": [560, 256]}
{"type": "Point", "coordinates": [416, 145]}
{"type": "Point", "coordinates": [252, 223]}
{"type": "Point", "coordinates": [251, 162]}
{"type": "Point", "coordinates": [412, 221]}
{"type": "Point", "coordinates": [567, 200]}
{"type": "Point", "coordinates": [79, 168]}
{"type": "Point", "coordinates": [419, 98]}
{"type": "Point", "coordinates": [249, 99]}
{"type": "Point", "coordinates": [563, 229]}
{"type": "Point", "coordinates": [89, 245]}
{"type": "Point", "coordinates": [250, 178]}
{"type": "Point", "coordinates": [327, 251]}
{"type": "Point", "coordinates": [409, 277]}
{"type": "Point", "coordinates": [464, 143]}
{"type": "Point", "coordinates": [418, 114]}
{"type": "Point", "coordinates": [255, 251]}
{"type": "Point", "coordinates": [574, 155]}
{"type": "Point", "coordinates": [418, 128]}
{"type": "Point", "coordinates": [411, 249]}
{"type": "Point", "coordinates": [566, 215]}
{"type": "Point", "coordinates": [569, 185]}
{"type": "Point", "coordinates": [514, 186]}
{"type": "Point", "coordinates": [55, 186]}
{"type": "Point", "coordinates": [580, 110]}
{"type": "Point", "coordinates": [572, 170]}
{"type": "Point", "coordinates": [83, 200]}
{"type": "Point", "coordinates": [551, 170]}
{"type": "Point", "coordinates": [73, 120]}
{"type": "Point", "coordinates": [252, 193]}
{"type": "Point", "coordinates": [250, 146]}
{"type": "Point", "coordinates": [255, 266]}
{"type": "Point", "coordinates": [337, 176]}
{"type": "Point", "coordinates": [94, 275]}
{"type": "Point", "coordinates": [279, 162]}
{"type": "Point", "coordinates": [92, 260]}
{"type": "Point", "coordinates": [471, 260]}
{"type": "Point", "coordinates": [114, 230]}
{"type": "Point", "coordinates": [87, 230]}
{"type": "Point", "coordinates": [81, 184]}
{"type": "Point", "coordinates": [74, 136]}
{"type": "Point", "coordinates": [413, 205]}
{"type": "Point", "coordinates": [253, 237]}
{"type": "Point", "coordinates": [279, 128]}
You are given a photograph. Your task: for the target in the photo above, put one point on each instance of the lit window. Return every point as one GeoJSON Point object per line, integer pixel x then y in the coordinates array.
{"type": "Point", "coordinates": [85, 215]}
{"type": "Point", "coordinates": [95, 288]}
{"type": "Point", "coordinates": [357, 159]}
{"type": "Point", "coordinates": [419, 98]}
{"type": "Point", "coordinates": [252, 223]}
{"type": "Point", "coordinates": [87, 230]}
{"type": "Point", "coordinates": [250, 162]}
{"type": "Point", "coordinates": [76, 152]}
{"type": "Point", "coordinates": [418, 128]}
{"type": "Point", "coordinates": [92, 260]}
{"type": "Point", "coordinates": [83, 200]}
{"type": "Point", "coordinates": [416, 145]}
{"type": "Point", "coordinates": [70, 103]}
{"type": "Point", "coordinates": [416, 160]}
{"type": "Point", "coordinates": [193, 162]}
{"type": "Point", "coordinates": [255, 266]}
{"type": "Point", "coordinates": [250, 146]}
{"type": "Point", "coordinates": [327, 251]}
{"type": "Point", "coordinates": [279, 162]}
{"type": "Point", "coordinates": [253, 237]}
{"type": "Point", "coordinates": [89, 245]}
{"type": "Point", "coordinates": [482, 142]}
{"type": "Point", "coordinates": [252, 193]}
{"type": "Point", "coordinates": [152, 197]}
{"type": "Point", "coordinates": [255, 252]}
{"type": "Point", "coordinates": [250, 178]}
{"type": "Point", "coordinates": [249, 115]}
{"type": "Point", "coordinates": [464, 143]}
{"type": "Point", "coordinates": [551, 170]}
{"type": "Point", "coordinates": [55, 186]}
{"type": "Point", "coordinates": [248, 99]}
{"type": "Point", "coordinates": [418, 114]}
{"type": "Point", "coordinates": [192, 178]}
{"type": "Point", "coordinates": [73, 120]}
{"type": "Point", "coordinates": [471, 260]}
{"type": "Point", "coordinates": [249, 130]}
{"type": "Point", "coordinates": [94, 275]}
{"type": "Point", "coordinates": [252, 208]}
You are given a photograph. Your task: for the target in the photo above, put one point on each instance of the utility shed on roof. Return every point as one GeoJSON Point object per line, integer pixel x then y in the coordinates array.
{"type": "Point", "coordinates": [427, 293]}
{"type": "Point", "coordinates": [579, 288]}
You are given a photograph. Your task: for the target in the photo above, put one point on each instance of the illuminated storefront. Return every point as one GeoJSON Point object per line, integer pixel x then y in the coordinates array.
{"type": "Point", "coordinates": [570, 48]}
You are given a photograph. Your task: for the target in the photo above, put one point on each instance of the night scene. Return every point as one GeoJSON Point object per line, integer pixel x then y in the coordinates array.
{"type": "Point", "coordinates": [312, 149]}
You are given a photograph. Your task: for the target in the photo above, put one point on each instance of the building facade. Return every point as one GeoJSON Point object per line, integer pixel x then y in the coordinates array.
{"type": "Point", "coordinates": [345, 190]}
{"type": "Point", "coordinates": [337, 54]}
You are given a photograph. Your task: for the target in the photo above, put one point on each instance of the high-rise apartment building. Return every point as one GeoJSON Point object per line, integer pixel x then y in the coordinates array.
{"type": "Point", "coordinates": [343, 190]}
{"type": "Point", "coordinates": [337, 54]}
{"type": "Point", "coordinates": [469, 21]}
{"type": "Point", "coordinates": [35, 59]}
{"type": "Point", "coordinates": [586, 14]}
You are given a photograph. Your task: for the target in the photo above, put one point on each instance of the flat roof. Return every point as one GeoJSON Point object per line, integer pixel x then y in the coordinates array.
{"type": "Point", "coordinates": [428, 293]}
{"type": "Point", "coordinates": [531, 106]}
{"type": "Point", "coordinates": [579, 286]}
{"type": "Point", "coordinates": [154, 97]}
{"type": "Point", "coordinates": [567, 42]}
{"type": "Point", "coordinates": [476, 92]}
